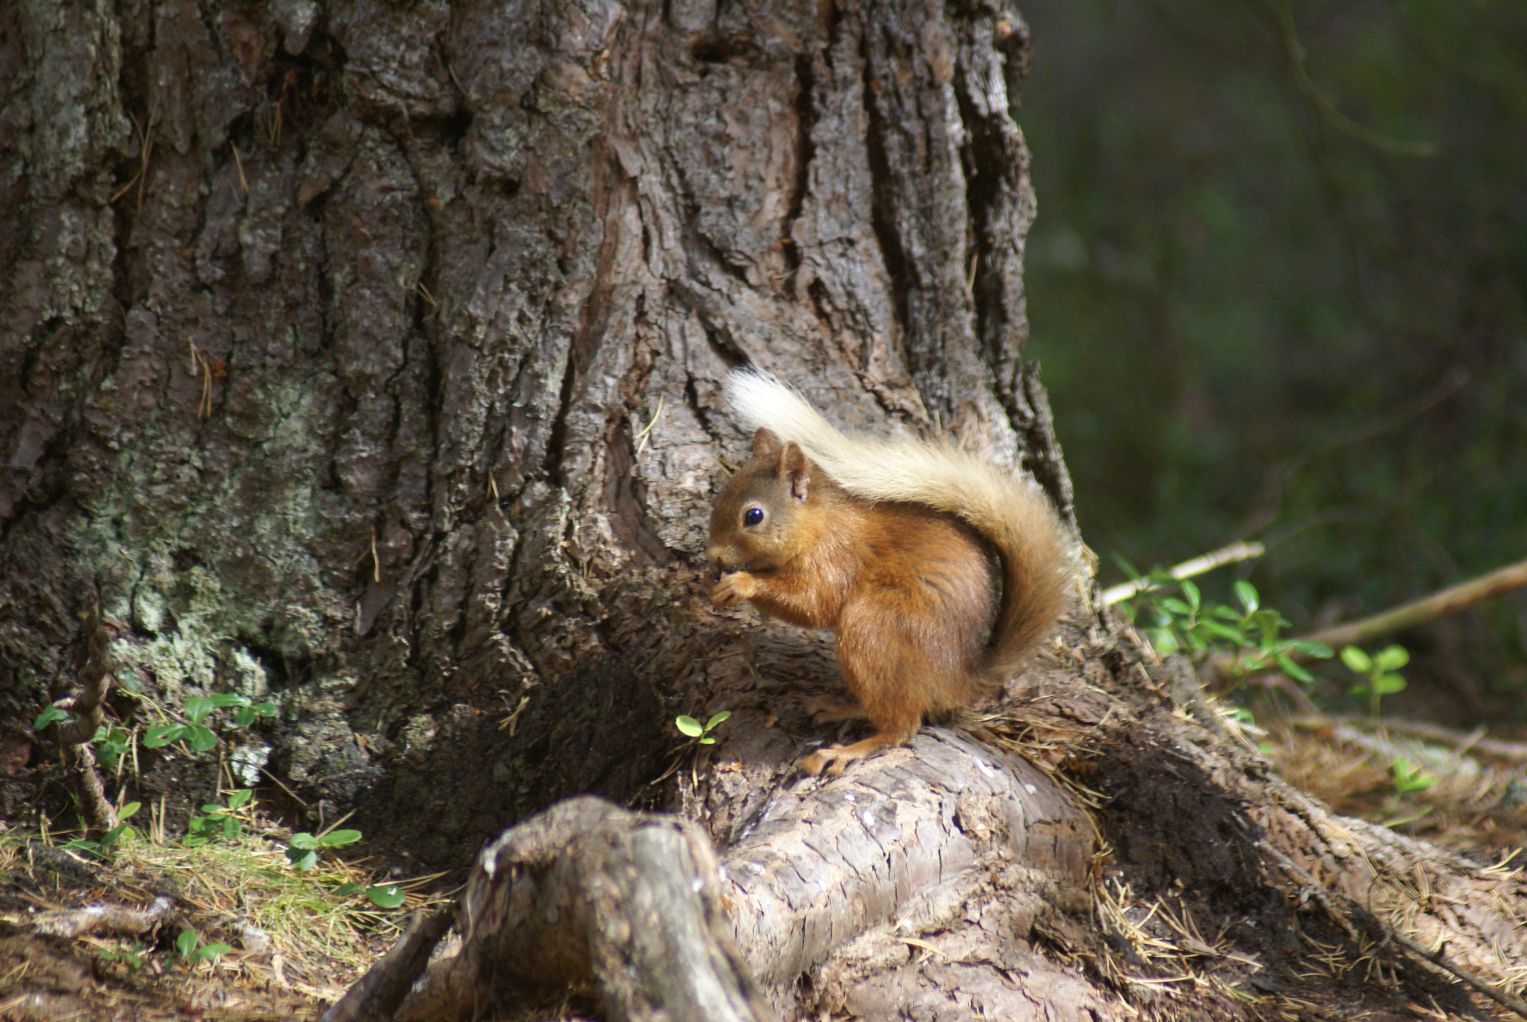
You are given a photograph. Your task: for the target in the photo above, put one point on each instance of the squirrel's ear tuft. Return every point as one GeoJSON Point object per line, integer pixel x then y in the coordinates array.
{"type": "Point", "coordinates": [795, 467]}
{"type": "Point", "coordinates": [765, 443]}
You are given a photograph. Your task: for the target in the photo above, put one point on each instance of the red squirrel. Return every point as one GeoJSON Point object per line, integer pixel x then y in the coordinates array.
{"type": "Point", "coordinates": [889, 543]}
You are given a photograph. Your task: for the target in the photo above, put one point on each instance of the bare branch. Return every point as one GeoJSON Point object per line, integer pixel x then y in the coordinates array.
{"type": "Point", "coordinates": [1203, 563]}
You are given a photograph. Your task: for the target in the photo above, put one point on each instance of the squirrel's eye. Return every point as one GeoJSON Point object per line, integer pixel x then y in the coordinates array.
{"type": "Point", "coordinates": [752, 516]}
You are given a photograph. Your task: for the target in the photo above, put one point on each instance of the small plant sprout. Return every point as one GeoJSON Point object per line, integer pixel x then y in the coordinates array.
{"type": "Point", "coordinates": [218, 821]}
{"type": "Point", "coordinates": [385, 896]}
{"type": "Point", "coordinates": [131, 957]}
{"type": "Point", "coordinates": [302, 851]}
{"type": "Point", "coordinates": [50, 715]}
{"type": "Point", "coordinates": [123, 828]}
{"type": "Point", "coordinates": [196, 732]}
{"type": "Point", "coordinates": [193, 952]}
{"type": "Point", "coordinates": [111, 744]}
{"type": "Point", "coordinates": [701, 733]}
{"type": "Point", "coordinates": [1408, 778]}
{"type": "Point", "coordinates": [1250, 634]}
{"type": "Point", "coordinates": [109, 839]}
{"type": "Point", "coordinates": [1378, 672]}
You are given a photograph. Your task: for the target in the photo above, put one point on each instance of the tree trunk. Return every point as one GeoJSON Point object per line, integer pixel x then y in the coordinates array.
{"type": "Point", "coordinates": [367, 357]}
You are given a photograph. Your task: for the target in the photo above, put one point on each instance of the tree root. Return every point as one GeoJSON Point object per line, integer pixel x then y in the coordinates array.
{"type": "Point", "coordinates": [74, 738]}
{"type": "Point", "coordinates": [630, 905]}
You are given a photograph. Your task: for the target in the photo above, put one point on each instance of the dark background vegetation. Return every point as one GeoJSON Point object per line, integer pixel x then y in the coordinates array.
{"type": "Point", "coordinates": [1277, 285]}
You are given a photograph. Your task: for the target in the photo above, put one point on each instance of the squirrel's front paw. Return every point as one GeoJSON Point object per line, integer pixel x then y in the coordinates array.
{"type": "Point", "coordinates": [733, 589]}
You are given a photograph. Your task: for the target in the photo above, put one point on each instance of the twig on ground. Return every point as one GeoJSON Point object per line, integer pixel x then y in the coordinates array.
{"type": "Point", "coordinates": [1428, 608]}
{"type": "Point", "coordinates": [1461, 742]}
{"type": "Point", "coordinates": [1240, 551]}
{"type": "Point", "coordinates": [120, 920]}
{"type": "Point", "coordinates": [1439, 604]}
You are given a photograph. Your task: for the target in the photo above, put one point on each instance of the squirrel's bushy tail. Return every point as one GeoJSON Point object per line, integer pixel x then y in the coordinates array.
{"type": "Point", "coordinates": [1012, 513]}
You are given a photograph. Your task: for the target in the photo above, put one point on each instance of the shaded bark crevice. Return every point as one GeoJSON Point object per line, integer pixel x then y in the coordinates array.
{"type": "Point", "coordinates": [882, 205]}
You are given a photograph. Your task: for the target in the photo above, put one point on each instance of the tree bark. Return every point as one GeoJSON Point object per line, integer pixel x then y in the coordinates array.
{"type": "Point", "coordinates": [367, 356]}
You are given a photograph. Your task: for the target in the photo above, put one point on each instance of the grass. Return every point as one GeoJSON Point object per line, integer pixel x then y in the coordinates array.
{"type": "Point", "coordinates": [296, 942]}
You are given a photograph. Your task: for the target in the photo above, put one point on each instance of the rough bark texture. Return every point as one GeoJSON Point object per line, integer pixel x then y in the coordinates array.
{"type": "Point", "coordinates": [366, 357]}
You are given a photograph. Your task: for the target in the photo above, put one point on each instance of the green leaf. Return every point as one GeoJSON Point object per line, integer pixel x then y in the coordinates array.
{"type": "Point", "coordinates": [707, 740]}
{"type": "Point", "coordinates": [689, 726]}
{"type": "Point", "coordinates": [207, 952]}
{"type": "Point", "coordinates": [302, 861]}
{"type": "Point", "coordinates": [339, 838]}
{"type": "Point", "coordinates": [302, 839]}
{"type": "Point", "coordinates": [231, 828]}
{"type": "Point", "coordinates": [1225, 613]}
{"type": "Point", "coordinates": [201, 738]}
{"type": "Point", "coordinates": [1319, 650]}
{"type": "Point", "coordinates": [1291, 668]}
{"type": "Point", "coordinates": [1250, 663]}
{"type": "Point", "coordinates": [159, 735]}
{"type": "Point", "coordinates": [1190, 590]}
{"type": "Point", "coordinates": [127, 811]}
{"type": "Point", "coordinates": [1388, 684]}
{"type": "Point", "coordinates": [49, 716]}
{"type": "Point", "coordinates": [264, 709]}
{"type": "Point", "coordinates": [193, 840]}
{"type": "Point", "coordinates": [1247, 594]}
{"type": "Point", "coordinates": [197, 708]}
{"type": "Point", "coordinates": [348, 888]}
{"type": "Point", "coordinates": [1176, 606]}
{"type": "Point", "coordinates": [1165, 642]}
{"type": "Point", "coordinates": [113, 835]}
{"type": "Point", "coordinates": [1267, 623]}
{"type": "Point", "coordinates": [386, 896]}
{"type": "Point", "coordinates": [1224, 631]}
{"type": "Point", "coordinates": [1409, 779]}
{"type": "Point", "coordinates": [243, 716]}
{"type": "Point", "coordinates": [717, 718]}
{"type": "Point", "coordinates": [111, 744]}
{"type": "Point", "coordinates": [1392, 658]}
{"type": "Point", "coordinates": [1356, 659]}
{"type": "Point", "coordinates": [186, 942]}
{"type": "Point", "coordinates": [223, 700]}
{"type": "Point", "coordinates": [237, 799]}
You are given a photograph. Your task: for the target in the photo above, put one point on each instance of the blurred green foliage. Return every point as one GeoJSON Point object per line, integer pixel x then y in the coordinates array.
{"type": "Point", "coordinates": [1262, 315]}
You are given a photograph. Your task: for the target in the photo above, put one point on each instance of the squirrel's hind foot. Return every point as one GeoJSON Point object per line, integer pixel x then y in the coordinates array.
{"type": "Point", "coordinates": [834, 758]}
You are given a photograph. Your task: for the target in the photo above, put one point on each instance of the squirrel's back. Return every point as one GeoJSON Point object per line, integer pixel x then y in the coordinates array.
{"type": "Point", "coordinates": [1008, 511]}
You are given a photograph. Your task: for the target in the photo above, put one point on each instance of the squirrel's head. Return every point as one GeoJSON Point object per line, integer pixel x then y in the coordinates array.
{"type": "Point", "coordinates": [757, 523]}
